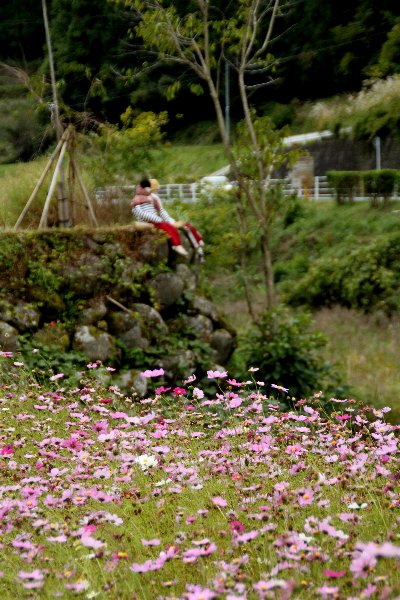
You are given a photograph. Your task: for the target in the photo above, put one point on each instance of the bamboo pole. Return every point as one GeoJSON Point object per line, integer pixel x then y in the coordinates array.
{"type": "Point", "coordinates": [63, 216]}
{"type": "Point", "coordinates": [84, 192]}
{"type": "Point", "coordinates": [43, 219]}
{"type": "Point", "coordinates": [39, 183]}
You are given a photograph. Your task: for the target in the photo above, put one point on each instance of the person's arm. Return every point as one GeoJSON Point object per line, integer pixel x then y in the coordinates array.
{"type": "Point", "coordinates": [146, 212]}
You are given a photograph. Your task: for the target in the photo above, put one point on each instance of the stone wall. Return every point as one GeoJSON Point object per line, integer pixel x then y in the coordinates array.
{"type": "Point", "coordinates": [120, 296]}
{"type": "Point", "coordinates": [337, 154]}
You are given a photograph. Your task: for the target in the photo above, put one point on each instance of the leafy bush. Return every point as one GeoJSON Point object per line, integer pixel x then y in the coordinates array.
{"type": "Point", "coordinates": [367, 278]}
{"type": "Point", "coordinates": [22, 132]}
{"type": "Point", "coordinates": [287, 352]}
{"type": "Point", "coordinates": [380, 184]}
{"type": "Point", "coordinates": [345, 183]}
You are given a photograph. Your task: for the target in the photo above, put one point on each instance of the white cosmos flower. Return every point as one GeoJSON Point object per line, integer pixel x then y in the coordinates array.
{"type": "Point", "coordinates": [146, 461]}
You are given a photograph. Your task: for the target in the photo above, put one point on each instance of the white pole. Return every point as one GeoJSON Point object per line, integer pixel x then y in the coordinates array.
{"type": "Point", "coordinates": [227, 104]}
{"type": "Point", "coordinates": [377, 143]}
{"type": "Point", "coordinates": [316, 187]}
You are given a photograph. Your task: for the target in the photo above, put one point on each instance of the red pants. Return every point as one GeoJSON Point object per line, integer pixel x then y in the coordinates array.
{"type": "Point", "coordinates": [173, 233]}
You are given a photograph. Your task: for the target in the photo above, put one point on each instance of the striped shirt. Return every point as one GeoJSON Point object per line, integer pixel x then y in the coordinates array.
{"type": "Point", "coordinates": [147, 213]}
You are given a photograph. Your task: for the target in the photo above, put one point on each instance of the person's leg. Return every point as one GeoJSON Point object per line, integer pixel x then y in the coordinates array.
{"type": "Point", "coordinates": [174, 236]}
{"type": "Point", "coordinates": [171, 231]}
{"type": "Point", "coordinates": [197, 236]}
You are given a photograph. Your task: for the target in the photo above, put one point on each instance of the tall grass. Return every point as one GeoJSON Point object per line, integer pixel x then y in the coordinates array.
{"type": "Point", "coordinates": [17, 182]}
{"type": "Point", "coordinates": [367, 348]}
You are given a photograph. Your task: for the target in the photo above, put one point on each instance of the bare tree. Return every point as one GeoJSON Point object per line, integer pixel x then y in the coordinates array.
{"type": "Point", "coordinates": [203, 38]}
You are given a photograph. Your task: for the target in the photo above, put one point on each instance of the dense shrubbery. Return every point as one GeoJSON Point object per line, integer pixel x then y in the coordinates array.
{"type": "Point", "coordinates": [368, 277]}
{"type": "Point", "coordinates": [286, 350]}
{"type": "Point", "coordinates": [375, 184]}
{"type": "Point", "coordinates": [345, 183]}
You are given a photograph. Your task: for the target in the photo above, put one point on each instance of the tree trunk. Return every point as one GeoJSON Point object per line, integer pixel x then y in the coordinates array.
{"type": "Point", "coordinates": [267, 269]}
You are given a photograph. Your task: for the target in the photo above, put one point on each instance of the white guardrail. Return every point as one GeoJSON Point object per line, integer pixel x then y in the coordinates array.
{"type": "Point", "coordinates": [191, 192]}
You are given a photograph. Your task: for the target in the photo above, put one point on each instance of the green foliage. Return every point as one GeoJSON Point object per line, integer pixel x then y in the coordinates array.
{"type": "Point", "coordinates": [388, 61]}
{"type": "Point", "coordinates": [121, 155]}
{"type": "Point", "coordinates": [22, 132]}
{"type": "Point", "coordinates": [345, 183]}
{"type": "Point", "coordinates": [287, 352]}
{"type": "Point", "coordinates": [43, 360]}
{"type": "Point", "coordinates": [380, 184]}
{"type": "Point", "coordinates": [375, 184]}
{"type": "Point", "coordinates": [367, 278]}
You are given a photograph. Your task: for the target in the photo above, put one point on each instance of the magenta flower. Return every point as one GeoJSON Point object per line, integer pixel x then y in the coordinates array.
{"type": "Point", "coordinates": [334, 574]}
{"type": "Point", "coordinates": [178, 391]}
{"type": "Point", "coordinates": [237, 526]}
{"type": "Point", "coordinates": [7, 450]}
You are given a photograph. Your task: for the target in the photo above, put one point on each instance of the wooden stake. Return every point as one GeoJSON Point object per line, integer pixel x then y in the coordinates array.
{"type": "Point", "coordinates": [43, 219]}
{"type": "Point", "coordinates": [84, 192]}
{"type": "Point", "coordinates": [39, 183]}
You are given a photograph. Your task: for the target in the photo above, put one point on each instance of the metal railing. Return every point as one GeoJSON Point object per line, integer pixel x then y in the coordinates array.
{"type": "Point", "coordinates": [191, 192]}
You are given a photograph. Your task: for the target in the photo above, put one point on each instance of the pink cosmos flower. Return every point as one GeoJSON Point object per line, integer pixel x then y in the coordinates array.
{"type": "Point", "coordinates": [305, 497]}
{"type": "Point", "coordinates": [154, 373]}
{"type": "Point", "coordinates": [161, 390]}
{"type": "Point", "coordinates": [57, 376]}
{"type": "Point", "coordinates": [154, 542]}
{"type": "Point", "coordinates": [216, 374]}
{"type": "Point", "coordinates": [363, 564]}
{"type": "Point", "coordinates": [328, 591]}
{"type": "Point", "coordinates": [264, 586]}
{"type": "Point", "coordinates": [234, 382]}
{"type": "Point", "coordinates": [235, 403]}
{"type": "Point", "coordinates": [279, 387]}
{"type": "Point", "coordinates": [196, 592]}
{"type": "Point", "coordinates": [246, 537]}
{"type": "Point", "coordinates": [79, 586]}
{"type": "Point", "coordinates": [219, 501]}
{"type": "Point", "coordinates": [32, 579]}
{"type": "Point", "coordinates": [293, 449]}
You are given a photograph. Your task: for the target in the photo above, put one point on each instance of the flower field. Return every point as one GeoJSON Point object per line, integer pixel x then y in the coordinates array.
{"type": "Point", "coordinates": [193, 495]}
